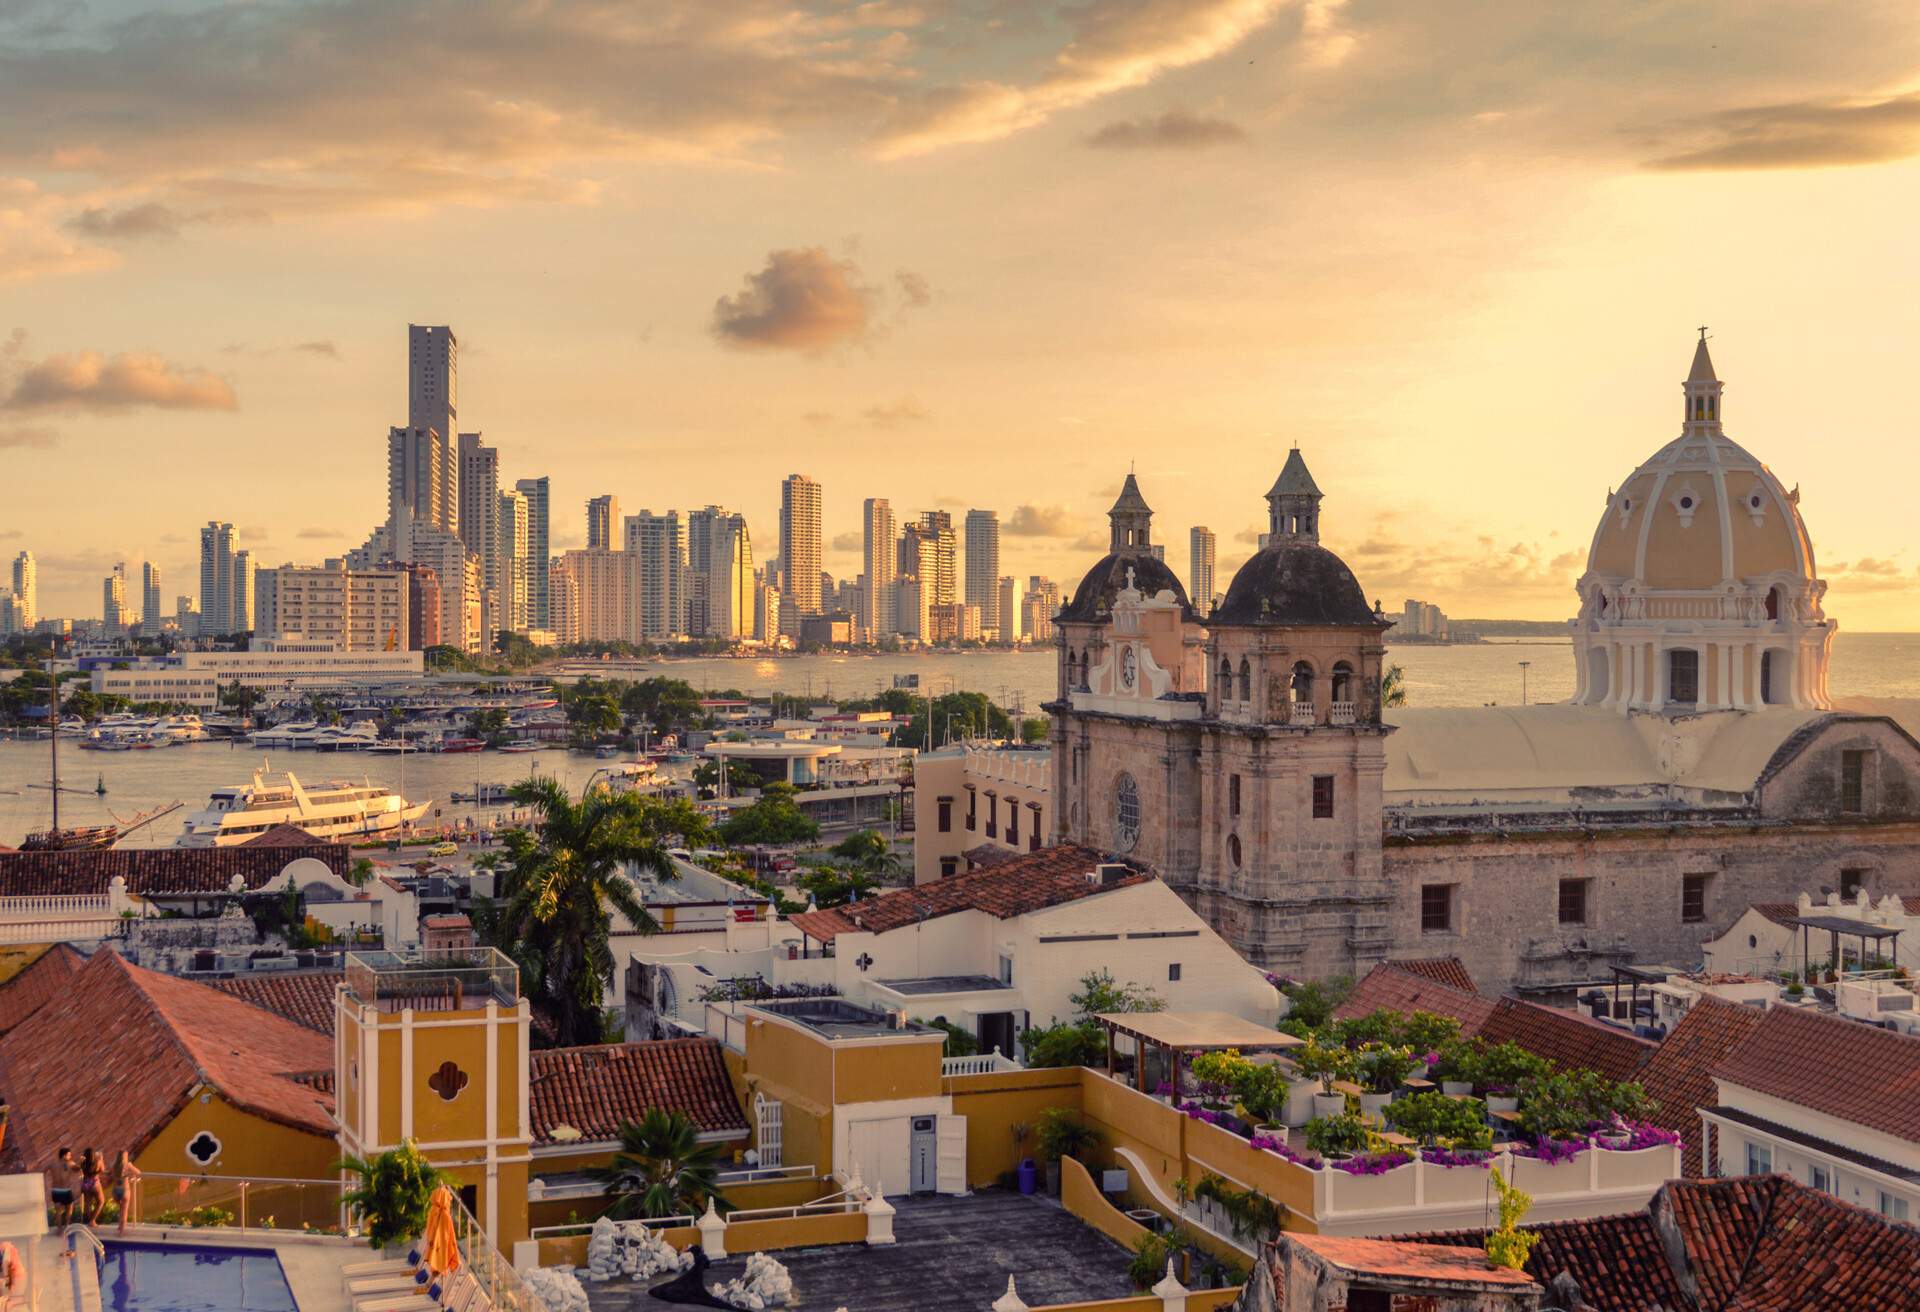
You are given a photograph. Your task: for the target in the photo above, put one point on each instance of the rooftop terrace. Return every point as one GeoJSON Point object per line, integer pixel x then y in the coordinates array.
{"type": "Point", "coordinates": [433, 979]}
{"type": "Point", "coordinates": [836, 1018]}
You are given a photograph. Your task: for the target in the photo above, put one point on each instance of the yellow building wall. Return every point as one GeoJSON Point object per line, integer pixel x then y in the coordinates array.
{"type": "Point", "coordinates": [909, 1068]}
{"type": "Point", "coordinates": [993, 1104]}
{"type": "Point", "coordinates": [250, 1145]}
{"type": "Point", "coordinates": [789, 1058]}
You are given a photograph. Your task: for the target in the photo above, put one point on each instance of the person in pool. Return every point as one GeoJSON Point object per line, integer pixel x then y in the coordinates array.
{"type": "Point", "coordinates": [125, 1194]}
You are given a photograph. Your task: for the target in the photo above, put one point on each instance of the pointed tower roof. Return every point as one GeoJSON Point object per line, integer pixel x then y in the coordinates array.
{"type": "Point", "coordinates": [1294, 479]}
{"type": "Point", "coordinates": [1702, 371]}
{"type": "Point", "coordinates": [1130, 498]}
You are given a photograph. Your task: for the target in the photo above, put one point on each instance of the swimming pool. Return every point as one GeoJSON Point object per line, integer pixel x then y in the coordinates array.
{"type": "Point", "coordinates": [181, 1278]}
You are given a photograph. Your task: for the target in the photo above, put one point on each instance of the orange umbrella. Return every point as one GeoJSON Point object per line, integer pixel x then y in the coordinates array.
{"type": "Point", "coordinates": [443, 1247]}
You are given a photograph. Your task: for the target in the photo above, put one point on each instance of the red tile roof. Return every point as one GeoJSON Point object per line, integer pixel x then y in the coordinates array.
{"type": "Point", "coordinates": [1450, 971]}
{"type": "Point", "coordinates": [1392, 988]}
{"type": "Point", "coordinates": [47, 976]}
{"type": "Point", "coordinates": [1678, 1075]}
{"type": "Point", "coordinates": [1755, 1244]}
{"type": "Point", "coordinates": [1778, 912]}
{"type": "Point", "coordinates": [1047, 878]}
{"type": "Point", "coordinates": [1568, 1038]}
{"type": "Point", "coordinates": [155, 870]}
{"type": "Point", "coordinates": [305, 998]}
{"type": "Point", "coordinates": [1842, 1068]}
{"type": "Point", "coordinates": [113, 1060]}
{"type": "Point", "coordinates": [595, 1088]}
{"type": "Point", "coordinates": [1398, 1258]}
{"type": "Point", "coordinates": [285, 836]}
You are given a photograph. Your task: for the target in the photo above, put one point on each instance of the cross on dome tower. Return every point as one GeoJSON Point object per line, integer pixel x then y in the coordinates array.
{"type": "Point", "coordinates": [1293, 504]}
{"type": "Point", "coordinates": [1132, 519]}
{"type": "Point", "coordinates": [1703, 392]}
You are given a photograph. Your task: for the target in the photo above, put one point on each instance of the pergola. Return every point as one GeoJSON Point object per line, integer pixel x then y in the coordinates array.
{"type": "Point", "coordinates": [1178, 1032]}
{"type": "Point", "coordinates": [1837, 926]}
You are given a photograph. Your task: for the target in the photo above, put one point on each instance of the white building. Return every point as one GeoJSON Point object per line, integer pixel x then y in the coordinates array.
{"type": "Point", "coordinates": [355, 610]}
{"type": "Point", "coordinates": [983, 567]}
{"type": "Point", "coordinates": [276, 668]}
{"type": "Point", "coordinates": [539, 493]}
{"type": "Point", "coordinates": [719, 574]}
{"type": "Point", "coordinates": [516, 562]}
{"type": "Point", "coordinates": [153, 615]}
{"type": "Point", "coordinates": [26, 587]}
{"type": "Point", "coordinates": [461, 583]}
{"type": "Point", "coordinates": [480, 515]}
{"type": "Point", "coordinates": [880, 557]}
{"type": "Point", "coordinates": [1202, 557]}
{"type": "Point", "coordinates": [587, 595]}
{"type": "Point", "coordinates": [1013, 605]}
{"type": "Point", "coordinates": [800, 543]}
{"type": "Point", "coordinates": [226, 581]}
{"type": "Point", "coordinates": [113, 600]}
{"type": "Point", "coordinates": [1767, 939]}
{"type": "Point", "coordinates": [1831, 1102]}
{"type": "Point", "coordinates": [656, 549]}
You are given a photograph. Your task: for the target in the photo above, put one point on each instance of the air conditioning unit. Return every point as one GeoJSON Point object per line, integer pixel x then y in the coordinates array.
{"type": "Point", "coordinates": [1108, 872]}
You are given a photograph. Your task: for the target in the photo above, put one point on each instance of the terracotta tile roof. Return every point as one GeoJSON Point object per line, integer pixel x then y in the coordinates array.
{"type": "Point", "coordinates": [1778, 912]}
{"type": "Point", "coordinates": [1047, 878]}
{"type": "Point", "coordinates": [285, 836]}
{"type": "Point", "coordinates": [113, 1060]}
{"type": "Point", "coordinates": [1390, 987]}
{"type": "Point", "coordinates": [1399, 1258]}
{"type": "Point", "coordinates": [595, 1088]}
{"type": "Point", "coordinates": [1839, 1067]}
{"type": "Point", "coordinates": [47, 976]}
{"type": "Point", "coordinates": [1568, 1038]}
{"type": "Point", "coordinates": [1760, 1243]}
{"type": "Point", "coordinates": [305, 997]}
{"type": "Point", "coordinates": [1678, 1075]}
{"type": "Point", "coordinates": [447, 920]}
{"type": "Point", "coordinates": [1450, 971]}
{"type": "Point", "coordinates": [155, 870]}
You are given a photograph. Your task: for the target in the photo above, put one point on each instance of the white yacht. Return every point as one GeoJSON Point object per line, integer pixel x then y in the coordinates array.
{"type": "Point", "coordinates": [335, 809]}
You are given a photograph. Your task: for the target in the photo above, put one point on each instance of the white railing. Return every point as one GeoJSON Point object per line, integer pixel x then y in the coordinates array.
{"type": "Point", "coordinates": [1343, 713]}
{"type": "Point", "coordinates": [57, 931]}
{"type": "Point", "coordinates": [1300, 713]}
{"type": "Point", "coordinates": [980, 1064]}
{"type": "Point", "coordinates": [56, 904]}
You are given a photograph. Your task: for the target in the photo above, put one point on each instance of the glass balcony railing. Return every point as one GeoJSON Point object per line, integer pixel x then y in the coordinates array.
{"type": "Point", "coordinates": [433, 979]}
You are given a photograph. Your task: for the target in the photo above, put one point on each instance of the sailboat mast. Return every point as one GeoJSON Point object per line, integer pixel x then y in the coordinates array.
{"type": "Point", "coordinates": [53, 719]}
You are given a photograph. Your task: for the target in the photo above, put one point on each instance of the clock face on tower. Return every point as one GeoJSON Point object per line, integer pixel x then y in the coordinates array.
{"type": "Point", "coordinates": [1128, 669]}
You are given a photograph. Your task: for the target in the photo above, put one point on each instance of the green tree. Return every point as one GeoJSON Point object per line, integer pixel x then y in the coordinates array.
{"type": "Point", "coordinates": [489, 723]}
{"type": "Point", "coordinates": [662, 1168]}
{"type": "Point", "coordinates": [869, 852]}
{"type": "Point", "coordinates": [592, 715]}
{"type": "Point", "coordinates": [565, 879]}
{"type": "Point", "coordinates": [774, 819]}
{"type": "Point", "coordinates": [1033, 729]}
{"type": "Point", "coordinates": [240, 699]}
{"type": "Point", "coordinates": [832, 888]}
{"type": "Point", "coordinates": [1393, 687]}
{"type": "Point", "coordinates": [392, 1196]}
{"type": "Point", "coordinates": [669, 705]}
{"type": "Point", "coordinates": [740, 778]}
{"type": "Point", "coordinates": [1082, 1041]}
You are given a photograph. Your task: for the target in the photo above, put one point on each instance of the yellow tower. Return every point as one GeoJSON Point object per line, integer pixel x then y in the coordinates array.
{"type": "Point", "coordinates": [431, 1045]}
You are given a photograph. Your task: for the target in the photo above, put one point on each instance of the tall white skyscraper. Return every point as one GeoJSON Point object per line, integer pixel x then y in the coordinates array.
{"type": "Point", "coordinates": [603, 523]}
{"type": "Point", "coordinates": [1013, 602]}
{"type": "Point", "coordinates": [26, 586]}
{"type": "Point", "coordinates": [153, 615]}
{"type": "Point", "coordinates": [880, 557]}
{"type": "Point", "coordinates": [433, 379]}
{"type": "Point", "coordinates": [538, 492]}
{"type": "Point", "coordinates": [983, 566]}
{"type": "Point", "coordinates": [113, 599]}
{"type": "Point", "coordinates": [656, 546]}
{"type": "Point", "coordinates": [800, 543]}
{"type": "Point", "coordinates": [1201, 556]}
{"type": "Point", "coordinates": [480, 503]}
{"type": "Point", "coordinates": [226, 581]}
{"type": "Point", "coordinates": [929, 550]}
{"type": "Point", "coordinates": [515, 563]}
{"type": "Point", "coordinates": [719, 574]}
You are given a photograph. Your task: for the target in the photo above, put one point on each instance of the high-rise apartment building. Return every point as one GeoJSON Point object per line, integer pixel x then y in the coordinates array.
{"type": "Point", "coordinates": [1201, 557]}
{"type": "Point", "coordinates": [1042, 604]}
{"type": "Point", "coordinates": [880, 561]}
{"type": "Point", "coordinates": [480, 508]}
{"type": "Point", "coordinates": [719, 574]}
{"type": "Point", "coordinates": [603, 523]}
{"type": "Point", "coordinates": [153, 616]}
{"type": "Point", "coordinates": [423, 482]}
{"type": "Point", "coordinates": [226, 581]}
{"type": "Point", "coordinates": [356, 610]}
{"type": "Point", "coordinates": [588, 595]}
{"type": "Point", "coordinates": [800, 543]}
{"type": "Point", "coordinates": [26, 586]}
{"type": "Point", "coordinates": [433, 380]}
{"type": "Point", "coordinates": [458, 570]}
{"type": "Point", "coordinates": [516, 566]}
{"type": "Point", "coordinates": [656, 548]}
{"type": "Point", "coordinates": [983, 567]}
{"type": "Point", "coordinates": [538, 492]}
{"type": "Point", "coordinates": [113, 600]}
{"type": "Point", "coordinates": [1013, 601]}
{"type": "Point", "coordinates": [13, 615]}
{"type": "Point", "coordinates": [929, 553]}
{"type": "Point", "coordinates": [186, 616]}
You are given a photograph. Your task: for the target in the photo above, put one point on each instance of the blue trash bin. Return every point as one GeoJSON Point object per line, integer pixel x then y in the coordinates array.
{"type": "Point", "coordinates": [1028, 1175]}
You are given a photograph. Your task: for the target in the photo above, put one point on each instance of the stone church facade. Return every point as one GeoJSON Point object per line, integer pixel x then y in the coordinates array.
{"type": "Point", "coordinates": [1249, 761]}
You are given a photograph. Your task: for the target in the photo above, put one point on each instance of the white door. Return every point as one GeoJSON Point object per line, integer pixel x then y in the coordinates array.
{"type": "Point", "coordinates": [951, 1167]}
{"type": "Point", "coordinates": [878, 1150]}
{"type": "Point", "coordinates": [768, 1112]}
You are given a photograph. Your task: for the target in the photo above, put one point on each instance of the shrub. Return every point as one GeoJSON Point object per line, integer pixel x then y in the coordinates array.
{"type": "Point", "coordinates": [1385, 1066]}
{"type": "Point", "coordinates": [1325, 1062]}
{"type": "Point", "coordinates": [1426, 1031]}
{"type": "Point", "coordinates": [1065, 1133]}
{"type": "Point", "coordinates": [1434, 1118]}
{"type": "Point", "coordinates": [1507, 1246]}
{"type": "Point", "coordinates": [393, 1193]}
{"type": "Point", "coordinates": [1346, 1133]}
{"type": "Point", "coordinates": [1375, 1027]}
{"type": "Point", "coordinates": [1505, 1065]}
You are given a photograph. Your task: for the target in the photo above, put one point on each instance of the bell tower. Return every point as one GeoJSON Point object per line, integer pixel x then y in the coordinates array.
{"type": "Point", "coordinates": [1131, 519]}
{"type": "Point", "coordinates": [1293, 503]}
{"type": "Point", "coordinates": [1703, 391]}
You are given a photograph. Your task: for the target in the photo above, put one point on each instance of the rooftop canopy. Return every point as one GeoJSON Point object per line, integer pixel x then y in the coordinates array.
{"type": "Point", "coordinates": [1196, 1031]}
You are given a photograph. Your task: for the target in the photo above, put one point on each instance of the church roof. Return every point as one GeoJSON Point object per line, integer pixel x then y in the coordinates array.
{"type": "Point", "coordinates": [1130, 498]}
{"type": "Point", "coordinates": [1294, 479]}
{"type": "Point", "coordinates": [1702, 371]}
{"type": "Point", "coordinates": [1093, 600]}
{"type": "Point", "coordinates": [1293, 581]}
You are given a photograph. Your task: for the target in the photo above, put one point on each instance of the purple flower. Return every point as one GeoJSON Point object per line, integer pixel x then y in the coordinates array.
{"type": "Point", "coordinates": [1279, 1148]}
{"type": "Point", "coordinates": [1165, 1090]}
{"type": "Point", "coordinates": [1640, 1135]}
{"type": "Point", "coordinates": [1373, 1163]}
{"type": "Point", "coordinates": [1449, 1158]}
{"type": "Point", "coordinates": [1551, 1151]}
{"type": "Point", "coordinates": [1429, 1059]}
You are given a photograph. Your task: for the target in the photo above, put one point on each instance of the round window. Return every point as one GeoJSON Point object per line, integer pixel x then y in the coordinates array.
{"type": "Point", "coordinates": [1686, 503]}
{"type": "Point", "coordinates": [1126, 812]}
{"type": "Point", "coordinates": [1233, 850]}
{"type": "Point", "coordinates": [1754, 501]}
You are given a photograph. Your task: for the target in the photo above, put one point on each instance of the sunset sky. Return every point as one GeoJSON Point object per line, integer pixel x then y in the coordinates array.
{"type": "Point", "coordinates": [963, 254]}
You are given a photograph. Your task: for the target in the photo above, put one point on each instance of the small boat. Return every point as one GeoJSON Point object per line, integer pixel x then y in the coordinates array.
{"type": "Point", "coordinates": [462, 744]}
{"type": "Point", "coordinates": [485, 794]}
{"type": "Point", "coordinates": [393, 747]}
{"type": "Point", "coordinates": [523, 745]}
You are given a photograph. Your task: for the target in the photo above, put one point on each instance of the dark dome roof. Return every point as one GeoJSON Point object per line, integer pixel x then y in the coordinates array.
{"type": "Point", "coordinates": [1295, 581]}
{"type": "Point", "coordinates": [1093, 600]}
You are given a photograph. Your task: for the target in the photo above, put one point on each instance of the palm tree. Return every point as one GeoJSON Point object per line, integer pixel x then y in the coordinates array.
{"type": "Point", "coordinates": [566, 878]}
{"type": "Point", "coordinates": [1393, 687]}
{"type": "Point", "coordinates": [662, 1168]}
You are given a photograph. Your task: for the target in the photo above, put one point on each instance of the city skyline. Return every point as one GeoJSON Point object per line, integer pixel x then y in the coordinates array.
{"type": "Point", "coordinates": [1465, 297]}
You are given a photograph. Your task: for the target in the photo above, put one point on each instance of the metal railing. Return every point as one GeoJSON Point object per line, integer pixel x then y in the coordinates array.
{"type": "Point", "coordinates": [238, 1202]}
{"type": "Point", "coordinates": [505, 1287]}
{"type": "Point", "coordinates": [433, 979]}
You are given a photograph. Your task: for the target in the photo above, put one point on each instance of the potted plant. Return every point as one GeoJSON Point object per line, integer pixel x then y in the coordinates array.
{"type": "Point", "coordinates": [1499, 1071]}
{"type": "Point", "coordinates": [1338, 1138]}
{"type": "Point", "coordinates": [1454, 1069]}
{"type": "Point", "coordinates": [1435, 1119]}
{"type": "Point", "coordinates": [1616, 1134]}
{"type": "Point", "coordinates": [392, 1196]}
{"type": "Point", "coordinates": [1263, 1096]}
{"type": "Point", "coordinates": [1428, 1034]}
{"type": "Point", "coordinates": [1383, 1067]}
{"type": "Point", "coordinates": [1326, 1063]}
{"type": "Point", "coordinates": [1063, 1133]}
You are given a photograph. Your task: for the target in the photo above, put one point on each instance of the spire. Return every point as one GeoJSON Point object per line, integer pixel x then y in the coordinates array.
{"type": "Point", "coordinates": [1293, 504]}
{"type": "Point", "coordinates": [1132, 519]}
{"type": "Point", "coordinates": [1703, 388]}
{"type": "Point", "coordinates": [1702, 371]}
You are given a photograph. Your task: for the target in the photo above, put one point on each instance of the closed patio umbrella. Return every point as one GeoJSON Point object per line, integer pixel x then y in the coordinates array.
{"type": "Point", "coordinates": [443, 1247]}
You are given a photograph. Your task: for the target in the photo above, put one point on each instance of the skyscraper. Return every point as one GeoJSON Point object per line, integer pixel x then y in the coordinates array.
{"type": "Point", "coordinates": [719, 574]}
{"type": "Point", "coordinates": [603, 523]}
{"type": "Point", "coordinates": [880, 556]}
{"type": "Point", "coordinates": [800, 543]}
{"type": "Point", "coordinates": [113, 599]}
{"type": "Point", "coordinates": [983, 566]}
{"type": "Point", "coordinates": [433, 378]}
{"type": "Point", "coordinates": [1013, 601]}
{"type": "Point", "coordinates": [152, 615]}
{"type": "Point", "coordinates": [656, 547]}
{"type": "Point", "coordinates": [1201, 556]}
{"type": "Point", "coordinates": [938, 565]}
{"type": "Point", "coordinates": [480, 507]}
{"type": "Point", "coordinates": [423, 483]}
{"type": "Point", "coordinates": [538, 494]}
{"type": "Point", "coordinates": [26, 586]}
{"type": "Point", "coordinates": [226, 581]}
{"type": "Point", "coordinates": [515, 563]}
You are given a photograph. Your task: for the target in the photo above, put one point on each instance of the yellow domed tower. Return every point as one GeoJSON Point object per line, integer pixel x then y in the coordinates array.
{"type": "Point", "coordinates": [1700, 592]}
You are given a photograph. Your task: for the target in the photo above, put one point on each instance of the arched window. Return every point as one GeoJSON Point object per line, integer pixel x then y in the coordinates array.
{"type": "Point", "coordinates": [1342, 682]}
{"type": "Point", "coordinates": [1302, 682]}
{"type": "Point", "coordinates": [1246, 680]}
{"type": "Point", "coordinates": [1225, 684]}
{"type": "Point", "coordinates": [1086, 668]}
{"type": "Point", "coordinates": [1773, 603]}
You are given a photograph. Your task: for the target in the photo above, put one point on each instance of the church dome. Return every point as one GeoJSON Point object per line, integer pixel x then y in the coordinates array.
{"type": "Point", "coordinates": [1296, 582]}
{"type": "Point", "coordinates": [1701, 512]}
{"type": "Point", "coordinates": [1130, 547]}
